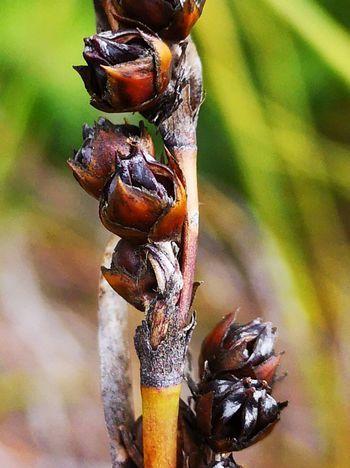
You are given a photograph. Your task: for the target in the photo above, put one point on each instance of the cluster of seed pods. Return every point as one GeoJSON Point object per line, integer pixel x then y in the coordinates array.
{"type": "Point", "coordinates": [129, 68]}
{"type": "Point", "coordinates": [142, 199]}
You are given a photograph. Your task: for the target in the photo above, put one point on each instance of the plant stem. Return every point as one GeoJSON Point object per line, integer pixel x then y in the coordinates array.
{"type": "Point", "coordinates": [115, 359]}
{"type": "Point", "coordinates": [179, 136]}
{"type": "Point", "coordinates": [160, 407]}
{"type": "Point", "coordinates": [187, 159]}
{"type": "Point", "coordinates": [162, 372]}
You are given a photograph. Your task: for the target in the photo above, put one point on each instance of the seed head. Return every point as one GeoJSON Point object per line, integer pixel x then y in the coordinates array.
{"type": "Point", "coordinates": [243, 350]}
{"type": "Point", "coordinates": [144, 200]}
{"type": "Point", "coordinates": [104, 144]}
{"type": "Point", "coordinates": [234, 414]}
{"type": "Point", "coordinates": [126, 71]}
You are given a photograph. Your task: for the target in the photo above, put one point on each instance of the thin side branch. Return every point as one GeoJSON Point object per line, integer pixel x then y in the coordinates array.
{"type": "Point", "coordinates": [115, 364]}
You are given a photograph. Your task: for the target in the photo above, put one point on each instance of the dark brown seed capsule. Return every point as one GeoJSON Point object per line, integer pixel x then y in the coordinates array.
{"type": "Point", "coordinates": [243, 350]}
{"type": "Point", "coordinates": [144, 200]}
{"type": "Point", "coordinates": [234, 414]}
{"type": "Point", "coordinates": [127, 70]}
{"type": "Point", "coordinates": [104, 144]}
{"type": "Point", "coordinates": [171, 19]}
{"type": "Point", "coordinates": [142, 273]}
{"type": "Point", "coordinates": [131, 275]}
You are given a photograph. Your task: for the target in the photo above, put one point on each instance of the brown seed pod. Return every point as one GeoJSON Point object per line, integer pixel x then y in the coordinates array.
{"type": "Point", "coordinates": [131, 275]}
{"type": "Point", "coordinates": [142, 273]}
{"type": "Point", "coordinates": [234, 414]}
{"type": "Point", "coordinates": [104, 144]}
{"type": "Point", "coordinates": [242, 350]}
{"type": "Point", "coordinates": [144, 200]}
{"type": "Point", "coordinates": [171, 19]}
{"type": "Point", "coordinates": [126, 71]}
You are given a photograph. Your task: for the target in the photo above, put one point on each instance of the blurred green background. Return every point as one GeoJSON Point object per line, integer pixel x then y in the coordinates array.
{"type": "Point", "coordinates": [274, 160]}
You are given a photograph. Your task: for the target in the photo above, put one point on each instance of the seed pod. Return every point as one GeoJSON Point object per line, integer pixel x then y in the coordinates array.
{"type": "Point", "coordinates": [234, 414]}
{"type": "Point", "coordinates": [142, 273]}
{"type": "Point", "coordinates": [171, 19]}
{"type": "Point", "coordinates": [131, 275]}
{"type": "Point", "coordinates": [243, 350]}
{"type": "Point", "coordinates": [127, 70]}
{"type": "Point", "coordinates": [104, 144]}
{"type": "Point", "coordinates": [144, 200]}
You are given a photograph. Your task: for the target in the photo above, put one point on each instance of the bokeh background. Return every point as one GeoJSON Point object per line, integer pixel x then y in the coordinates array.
{"type": "Point", "coordinates": [274, 161]}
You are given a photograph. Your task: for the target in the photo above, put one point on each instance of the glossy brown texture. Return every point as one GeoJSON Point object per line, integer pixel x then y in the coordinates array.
{"type": "Point", "coordinates": [243, 350]}
{"type": "Point", "coordinates": [145, 200]}
{"type": "Point", "coordinates": [213, 341]}
{"type": "Point", "coordinates": [226, 462]}
{"type": "Point", "coordinates": [234, 414]}
{"type": "Point", "coordinates": [171, 19]}
{"type": "Point", "coordinates": [104, 144]}
{"type": "Point", "coordinates": [127, 70]}
{"type": "Point", "coordinates": [131, 275]}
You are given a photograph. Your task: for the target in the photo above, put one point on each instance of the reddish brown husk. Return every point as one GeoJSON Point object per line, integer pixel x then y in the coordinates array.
{"type": "Point", "coordinates": [242, 350]}
{"type": "Point", "coordinates": [130, 274]}
{"type": "Point", "coordinates": [172, 20]}
{"type": "Point", "coordinates": [149, 204]}
{"type": "Point", "coordinates": [127, 70]}
{"type": "Point", "coordinates": [234, 414]}
{"type": "Point", "coordinates": [213, 341]}
{"type": "Point", "coordinates": [104, 144]}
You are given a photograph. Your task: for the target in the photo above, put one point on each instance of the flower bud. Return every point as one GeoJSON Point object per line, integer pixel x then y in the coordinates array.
{"type": "Point", "coordinates": [105, 143]}
{"type": "Point", "coordinates": [131, 275]}
{"type": "Point", "coordinates": [243, 350]}
{"type": "Point", "coordinates": [126, 70]}
{"type": "Point", "coordinates": [144, 200]}
{"type": "Point", "coordinates": [171, 19]}
{"type": "Point", "coordinates": [234, 414]}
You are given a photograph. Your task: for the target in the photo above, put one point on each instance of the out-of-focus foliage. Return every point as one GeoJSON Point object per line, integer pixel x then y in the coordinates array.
{"type": "Point", "coordinates": [274, 136]}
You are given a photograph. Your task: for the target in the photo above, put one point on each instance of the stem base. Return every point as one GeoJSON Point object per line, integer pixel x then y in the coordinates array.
{"type": "Point", "coordinates": [160, 409]}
